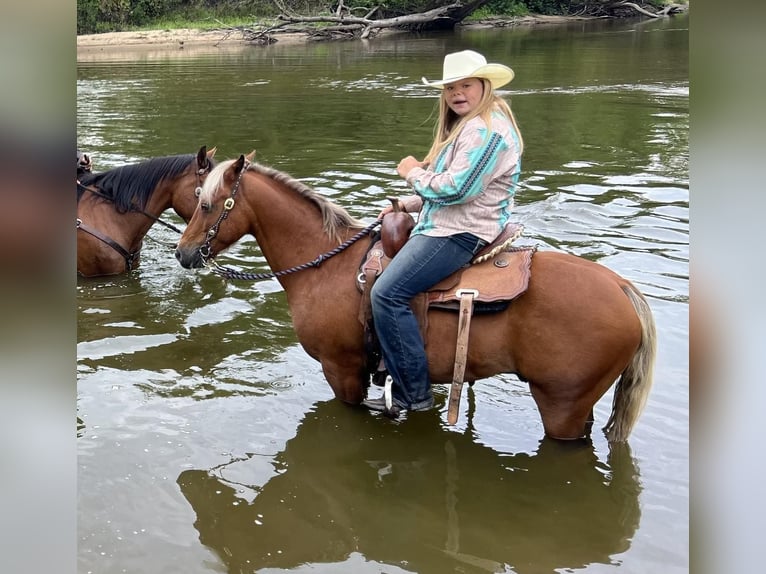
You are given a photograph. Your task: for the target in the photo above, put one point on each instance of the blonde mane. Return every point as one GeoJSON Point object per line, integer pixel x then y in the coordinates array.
{"type": "Point", "coordinates": [334, 217]}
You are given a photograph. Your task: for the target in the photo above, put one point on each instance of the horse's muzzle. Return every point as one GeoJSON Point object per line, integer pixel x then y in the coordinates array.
{"type": "Point", "coordinates": [189, 258]}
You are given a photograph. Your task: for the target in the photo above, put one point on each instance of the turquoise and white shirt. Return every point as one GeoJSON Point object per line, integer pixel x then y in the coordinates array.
{"type": "Point", "coordinates": [470, 186]}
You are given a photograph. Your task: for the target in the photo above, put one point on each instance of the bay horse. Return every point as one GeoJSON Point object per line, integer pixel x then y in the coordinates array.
{"type": "Point", "coordinates": [577, 328]}
{"type": "Point", "coordinates": [116, 208]}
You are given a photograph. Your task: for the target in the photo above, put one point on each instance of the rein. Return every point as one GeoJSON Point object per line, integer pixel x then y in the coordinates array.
{"type": "Point", "coordinates": [229, 273]}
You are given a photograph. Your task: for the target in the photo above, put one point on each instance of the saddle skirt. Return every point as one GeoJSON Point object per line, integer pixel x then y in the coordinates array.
{"type": "Point", "coordinates": [502, 277]}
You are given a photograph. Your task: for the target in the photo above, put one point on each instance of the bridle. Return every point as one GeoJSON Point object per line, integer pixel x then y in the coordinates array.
{"type": "Point", "coordinates": [205, 250]}
{"type": "Point", "coordinates": [131, 257]}
{"type": "Point", "coordinates": [208, 259]}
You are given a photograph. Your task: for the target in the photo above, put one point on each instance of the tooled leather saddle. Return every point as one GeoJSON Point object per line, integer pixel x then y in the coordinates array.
{"type": "Point", "coordinates": [498, 274]}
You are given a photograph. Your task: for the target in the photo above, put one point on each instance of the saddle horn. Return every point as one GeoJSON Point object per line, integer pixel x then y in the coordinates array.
{"type": "Point", "coordinates": [396, 228]}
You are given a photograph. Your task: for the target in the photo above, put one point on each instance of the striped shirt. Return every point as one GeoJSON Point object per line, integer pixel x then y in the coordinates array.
{"type": "Point", "coordinates": [470, 186]}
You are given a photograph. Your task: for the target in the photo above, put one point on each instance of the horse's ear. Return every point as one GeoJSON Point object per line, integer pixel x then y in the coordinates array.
{"type": "Point", "coordinates": [251, 156]}
{"type": "Point", "coordinates": [239, 164]}
{"type": "Point", "coordinates": [211, 153]}
{"type": "Point", "coordinates": [202, 156]}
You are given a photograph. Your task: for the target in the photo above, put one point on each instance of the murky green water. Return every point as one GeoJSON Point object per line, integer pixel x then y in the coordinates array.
{"type": "Point", "coordinates": [210, 442]}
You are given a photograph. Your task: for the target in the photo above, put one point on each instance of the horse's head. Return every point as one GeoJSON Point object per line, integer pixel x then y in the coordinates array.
{"type": "Point", "coordinates": [188, 186]}
{"type": "Point", "coordinates": [215, 225]}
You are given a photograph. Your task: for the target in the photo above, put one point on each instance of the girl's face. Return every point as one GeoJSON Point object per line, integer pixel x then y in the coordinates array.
{"type": "Point", "coordinates": [464, 95]}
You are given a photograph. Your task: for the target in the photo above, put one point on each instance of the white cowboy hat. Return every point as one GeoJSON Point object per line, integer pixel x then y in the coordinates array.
{"type": "Point", "coordinates": [470, 64]}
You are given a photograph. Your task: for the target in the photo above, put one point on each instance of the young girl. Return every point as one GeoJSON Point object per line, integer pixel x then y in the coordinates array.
{"type": "Point", "coordinates": [464, 191]}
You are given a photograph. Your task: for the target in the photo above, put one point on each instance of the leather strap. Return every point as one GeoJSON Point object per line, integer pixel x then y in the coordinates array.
{"type": "Point", "coordinates": [461, 352]}
{"type": "Point", "coordinates": [370, 271]}
{"type": "Point", "coordinates": [127, 255]}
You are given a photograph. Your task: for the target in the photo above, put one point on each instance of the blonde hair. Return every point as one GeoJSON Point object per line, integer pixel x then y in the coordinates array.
{"type": "Point", "coordinates": [449, 125]}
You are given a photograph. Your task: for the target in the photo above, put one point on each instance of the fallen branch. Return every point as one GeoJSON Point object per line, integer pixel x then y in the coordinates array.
{"type": "Point", "coordinates": [639, 9]}
{"type": "Point", "coordinates": [666, 11]}
{"type": "Point", "coordinates": [264, 37]}
{"type": "Point", "coordinates": [441, 12]}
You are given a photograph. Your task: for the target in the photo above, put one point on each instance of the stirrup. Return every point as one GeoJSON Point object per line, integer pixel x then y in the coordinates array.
{"type": "Point", "coordinates": [392, 410]}
{"type": "Point", "coordinates": [379, 378]}
{"type": "Point", "coordinates": [380, 374]}
{"type": "Point", "coordinates": [385, 403]}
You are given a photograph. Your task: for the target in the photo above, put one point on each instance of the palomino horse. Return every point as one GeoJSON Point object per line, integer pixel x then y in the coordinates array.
{"type": "Point", "coordinates": [116, 208]}
{"type": "Point", "coordinates": [577, 328]}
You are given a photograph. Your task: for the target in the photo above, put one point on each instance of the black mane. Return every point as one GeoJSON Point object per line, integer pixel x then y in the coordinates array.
{"type": "Point", "coordinates": [131, 186]}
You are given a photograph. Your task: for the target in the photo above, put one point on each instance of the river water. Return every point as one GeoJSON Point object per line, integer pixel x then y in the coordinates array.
{"type": "Point", "coordinates": [208, 441]}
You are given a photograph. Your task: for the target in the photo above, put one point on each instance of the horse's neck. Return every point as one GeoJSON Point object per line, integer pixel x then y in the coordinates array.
{"type": "Point", "coordinates": [160, 200]}
{"type": "Point", "coordinates": [289, 232]}
{"type": "Point", "coordinates": [128, 229]}
{"type": "Point", "coordinates": [179, 195]}
{"type": "Point", "coordinates": [290, 237]}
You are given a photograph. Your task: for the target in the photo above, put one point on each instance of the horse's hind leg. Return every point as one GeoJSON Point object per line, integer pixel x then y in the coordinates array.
{"type": "Point", "coordinates": [563, 418]}
{"type": "Point", "coordinates": [347, 380]}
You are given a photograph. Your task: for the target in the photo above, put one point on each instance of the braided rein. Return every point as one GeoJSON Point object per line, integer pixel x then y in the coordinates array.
{"type": "Point", "coordinates": [229, 273]}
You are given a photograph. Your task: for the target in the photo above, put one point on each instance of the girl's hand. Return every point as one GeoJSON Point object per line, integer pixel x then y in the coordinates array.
{"type": "Point", "coordinates": [396, 206]}
{"type": "Point", "coordinates": [407, 164]}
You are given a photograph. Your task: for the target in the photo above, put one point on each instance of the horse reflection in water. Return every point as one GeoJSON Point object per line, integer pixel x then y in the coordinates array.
{"type": "Point", "coordinates": [116, 208]}
{"type": "Point", "coordinates": [427, 501]}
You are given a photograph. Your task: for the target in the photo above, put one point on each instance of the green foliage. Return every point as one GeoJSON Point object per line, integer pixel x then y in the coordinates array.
{"type": "Point", "coordinates": [115, 15]}
{"type": "Point", "coordinates": [407, 6]}
{"type": "Point", "coordinates": [548, 7]}
{"type": "Point", "coordinates": [501, 8]}
{"type": "Point", "coordinates": [87, 16]}
{"type": "Point", "coordinates": [144, 11]}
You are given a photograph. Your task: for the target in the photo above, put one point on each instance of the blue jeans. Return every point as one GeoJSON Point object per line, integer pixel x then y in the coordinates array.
{"type": "Point", "coordinates": [421, 263]}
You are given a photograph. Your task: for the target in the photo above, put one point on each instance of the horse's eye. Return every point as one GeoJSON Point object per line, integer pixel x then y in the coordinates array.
{"type": "Point", "coordinates": [204, 206]}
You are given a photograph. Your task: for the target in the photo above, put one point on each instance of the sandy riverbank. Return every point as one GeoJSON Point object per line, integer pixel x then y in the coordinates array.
{"type": "Point", "coordinates": [147, 43]}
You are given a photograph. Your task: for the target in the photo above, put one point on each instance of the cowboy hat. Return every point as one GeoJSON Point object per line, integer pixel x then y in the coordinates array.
{"type": "Point", "coordinates": [470, 64]}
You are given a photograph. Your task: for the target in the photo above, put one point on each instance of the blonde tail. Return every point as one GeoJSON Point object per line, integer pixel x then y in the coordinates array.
{"type": "Point", "coordinates": [634, 384]}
